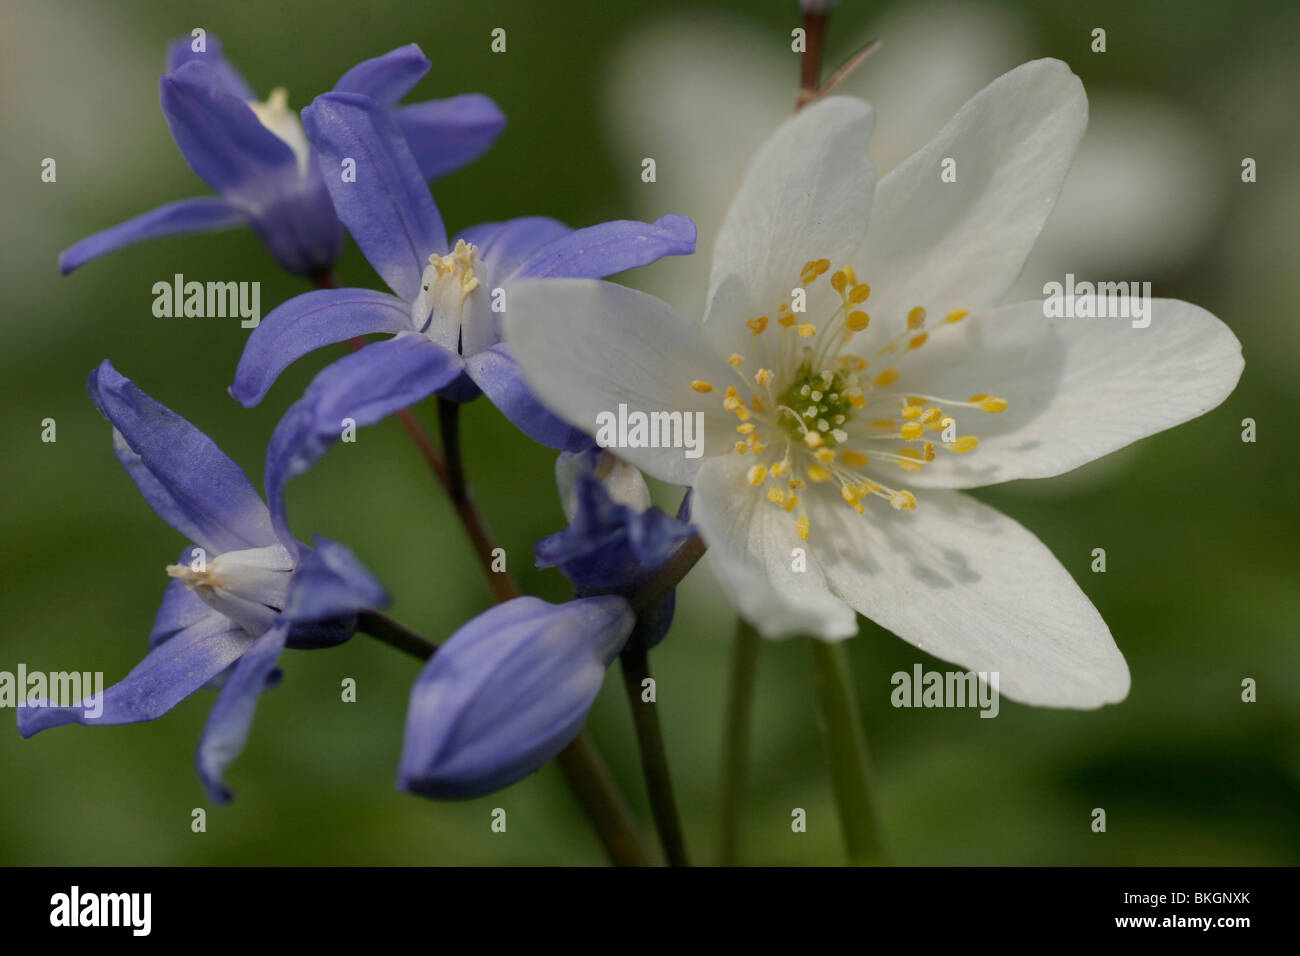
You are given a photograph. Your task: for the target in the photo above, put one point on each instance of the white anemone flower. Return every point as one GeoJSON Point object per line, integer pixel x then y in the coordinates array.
{"type": "Point", "coordinates": [836, 438]}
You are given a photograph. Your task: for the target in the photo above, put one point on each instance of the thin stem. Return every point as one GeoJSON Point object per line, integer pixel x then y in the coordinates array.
{"type": "Point", "coordinates": [735, 741]}
{"type": "Point", "coordinates": [810, 63]}
{"type": "Point", "coordinates": [385, 629]}
{"type": "Point", "coordinates": [846, 747]}
{"type": "Point", "coordinates": [502, 583]}
{"type": "Point", "coordinates": [654, 758]}
{"type": "Point", "coordinates": [669, 575]}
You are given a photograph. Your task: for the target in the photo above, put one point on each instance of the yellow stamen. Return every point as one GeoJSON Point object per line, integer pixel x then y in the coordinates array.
{"type": "Point", "coordinates": [701, 386]}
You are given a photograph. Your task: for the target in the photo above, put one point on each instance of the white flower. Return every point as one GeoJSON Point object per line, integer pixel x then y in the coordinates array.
{"type": "Point", "coordinates": [861, 435]}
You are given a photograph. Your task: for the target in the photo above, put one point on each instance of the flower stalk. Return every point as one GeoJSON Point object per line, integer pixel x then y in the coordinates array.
{"type": "Point", "coordinates": [736, 738]}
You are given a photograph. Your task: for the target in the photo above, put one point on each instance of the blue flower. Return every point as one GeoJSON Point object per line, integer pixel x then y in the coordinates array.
{"type": "Point", "coordinates": [507, 692]}
{"type": "Point", "coordinates": [616, 540]}
{"type": "Point", "coordinates": [447, 299]}
{"type": "Point", "coordinates": [255, 155]}
{"type": "Point", "coordinates": [238, 597]}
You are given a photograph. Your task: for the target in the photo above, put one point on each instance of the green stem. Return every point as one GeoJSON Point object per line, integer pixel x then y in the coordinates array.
{"type": "Point", "coordinates": [654, 758]}
{"type": "Point", "coordinates": [846, 747]}
{"type": "Point", "coordinates": [735, 741]}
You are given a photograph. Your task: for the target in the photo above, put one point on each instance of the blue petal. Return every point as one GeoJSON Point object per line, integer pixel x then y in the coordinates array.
{"type": "Point", "coordinates": [331, 583]}
{"type": "Point", "coordinates": [507, 692]}
{"type": "Point", "coordinates": [504, 246]}
{"type": "Point", "coordinates": [298, 225]}
{"type": "Point", "coordinates": [388, 210]}
{"type": "Point", "coordinates": [184, 476]}
{"type": "Point", "coordinates": [308, 322]}
{"type": "Point", "coordinates": [170, 672]}
{"type": "Point", "coordinates": [599, 251]}
{"type": "Point", "coordinates": [386, 79]}
{"type": "Point", "coordinates": [366, 387]}
{"type": "Point", "coordinates": [222, 139]}
{"type": "Point", "coordinates": [181, 51]}
{"type": "Point", "coordinates": [202, 214]}
{"type": "Point", "coordinates": [226, 731]}
{"type": "Point", "coordinates": [444, 135]}
{"type": "Point", "coordinates": [496, 372]}
{"type": "Point", "coordinates": [180, 608]}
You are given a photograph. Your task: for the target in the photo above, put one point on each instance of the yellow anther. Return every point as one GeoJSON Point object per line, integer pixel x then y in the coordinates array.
{"type": "Point", "coordinates": [746, 428]}
{"type": "Point", "coordinates": [791, 502]}
{"type": "Point", "coordinates": [911, 412]}
{"type": "Point", "coordinates": [859, 293]}
{"type": "Point", "coordinates": [883, 422]}
{"type": "Point", "coordinates": [756, 403]}
{"type": "Point", "coordinates": [821, 265]}
{"type": "Point", "coordinates": [930, 415]}
{"type": "Point", "coordinates": [838, 281]}
{"type": "Point", "coordinates": [993, 405]}
{"type": "Point", "coordinates": [741, 447]}
{"type": "Point", "coordinates": [855, 459]}
{"type": "Point", "coordinates": [956, 315]}
{"type": "Point", "coordinates": [817, 473]}
{"type": "Point", "coordinates": [855, 362]}
{"type": "Point", "coordinates": [928, 450]}
{"type": "Point", "coordinates": [757, 325]}
{"type": "Point", "coordinates": [780, 468]}
{"type": "Point", "coordinates": [978, 397]}
{"type": "Point", "coordinates": [776, 495]}
{"type": "Point", "coordinates": [757, 474]}
{"type": "Point", "coordinates": [807, 330]}
{"type": "Point", "coordinates": [964, 444]}
{"type": "Point", "coordinates": [735, 361]}
{"type": "Point", "coordinates": [917, 341]}
{"type": "Point", "coordinates": [858, 401]}
{"type": "Point", "coordinates": [941, 424]}
{"type": "Point", "coordinates": [757, 446]}
{"type": "Point", "coordinates": [825, 455]}
{"type": "Point", "coordinates": [911, 431]}
{"type": "Point", "coordinates": [857, 320]}
{"type": "Point", "coordinates": [812, 439]}
{"type": "Point", "coordinates": [802, 527]}
{"type": "Point", "coordinates": [764, 376]}
{"type": "Point", "coordinates": [786, 320]}
{"type": "Point", "coordinates": [848, 494]}
{"type": "Point", "coordinates": [916, 318]}
{"type": "Point", "coordinates": [903, 500]}
{"type": "Point", "coordinates": [796, 484]}
{"type": "Point", "coordinates": [701, 386]}
{"type": "Point", "coordinates": [908, 464]}
{"type": "Point", "coordinates": [850, 275]}
{"type": "Point", "coordinates": [888, 377]}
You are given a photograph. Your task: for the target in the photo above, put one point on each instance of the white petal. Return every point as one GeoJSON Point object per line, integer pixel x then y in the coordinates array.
{"type": "Point", "coordinates": [587, 346]}
{"type": "Point", "coordinates": [969, 585]}
{"type": "Point", "coordinates": [751, 543]}
{"type": "Point", "coordinates": [950, 245]}
{"type": "Point", "coordinates": [806, 195]}
{"type": "Point", "coordinates": [1077, 388]}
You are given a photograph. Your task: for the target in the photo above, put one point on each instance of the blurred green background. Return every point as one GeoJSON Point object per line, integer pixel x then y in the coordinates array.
{"type": "Point", "coordinates": [1199, 528]}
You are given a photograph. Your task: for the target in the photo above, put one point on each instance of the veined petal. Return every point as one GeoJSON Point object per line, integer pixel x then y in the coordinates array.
{"type": "Point", "coordinates": [752, 546]}
{"type": "Point", "coordinates": [505, 245]}
{"type": "Point", "coordinates": [201, 214]}
{"type": "Point", "coordinates": [226, 731]}
{"type": "Point", "coordinates": [587, 347]}
{"type": "Point", "coordinates": [806, 196]}
{"type": "Point", "coordinates": [386, 79]}
{"type": "Point", "coordinates": [181, 51]}
{"type": "Point", "coordinates": [308, 322]}
{"type": "Point", "coordinates": [190, 482]}
{"type": "Point", "coordinates": [365, 387]}
{"type": "Point", "coordinates": [967, 584]}
{"type": "Point", "coordinates": [221, 137]}
{"type": "Point", "coordinates": [1077, 388]}
{"type": "Point", "coordinates": [170, 672]}
{"type": "Point", "coordinates": [388, 210]}
{"type": "Point", "coordinates": [445, 135]}
{"type": "Point", "coordinates": [603, 250]}
{"type": "Point", "coordinates": [496, 372]}
{"type": "Point", "coordinates": [961, 244]}
{"type": "Point", "coordinates": [507, 692]}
